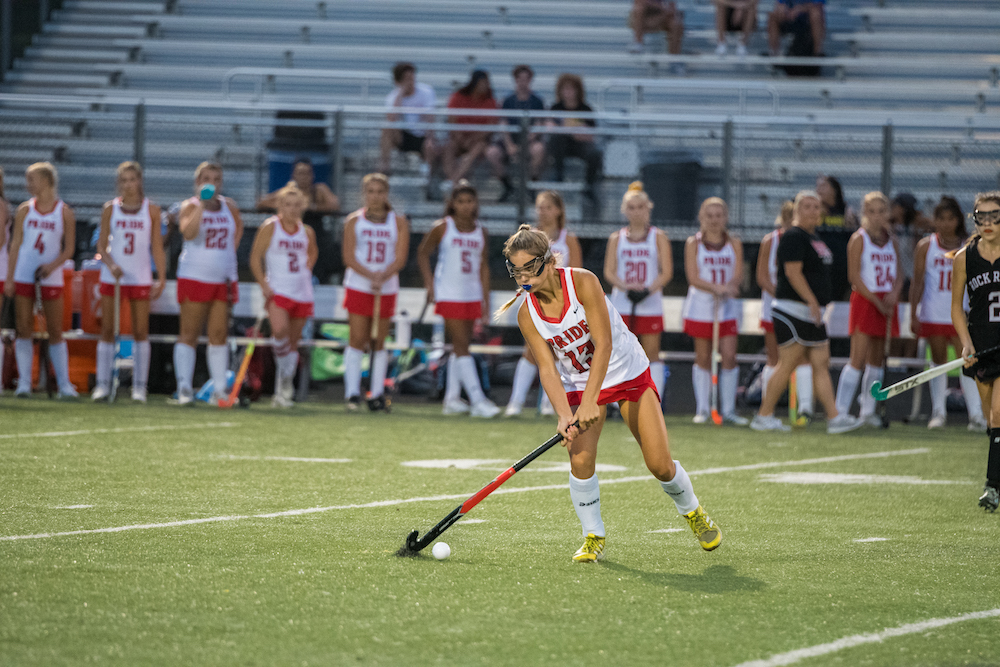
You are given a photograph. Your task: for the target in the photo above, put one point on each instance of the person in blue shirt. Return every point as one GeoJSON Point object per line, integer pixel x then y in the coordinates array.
{"type": "Point", "coordinates": [794, 15]}
{"type": "Point", "coordinates": [506, 148]}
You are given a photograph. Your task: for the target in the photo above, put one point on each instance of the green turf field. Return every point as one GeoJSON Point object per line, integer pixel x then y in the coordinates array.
{"type": "Point", "coordinates": [222, 552]}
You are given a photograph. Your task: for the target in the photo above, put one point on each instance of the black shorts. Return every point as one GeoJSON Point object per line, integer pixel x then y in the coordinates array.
{"type": "Point", "coordinates": [732, 25]}
{"type": "Point", "coordinates": [987, 368]}
{"type": "Point", "coordinates": [790, 329]}
{"type": "Point", "coordinates": [411, 143]}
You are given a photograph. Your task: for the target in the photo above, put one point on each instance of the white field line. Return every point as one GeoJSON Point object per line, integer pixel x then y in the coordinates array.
{"type": "Point", "coordinates": [125, 429]}
{"type": "Point", "coordinates": [841, 478]}
{"type": "Point", "coordinates": [668, 530]}
{"type": "Point", "coordinates": [793, 657]}
{"type": "Point", "coordinates": [873, 539]}
{"type": "Point", "coordinates": [405, 501]}
{"type": "Point", "coordinates": [296, 459]}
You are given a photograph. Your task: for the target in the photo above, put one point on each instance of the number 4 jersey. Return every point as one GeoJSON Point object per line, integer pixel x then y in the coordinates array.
{"type": "Point", "coordinates": [40, 244]}
{"type": "Point", "coordinates": [287, 262]}
{"type": "Point", "coordinates": [569, 337]}
{"type": "Point", "coordinates": [129, 245]}
{"type": "Point", "coordinates": [210, 257]}
{"type": "Point", "coordinates": [374, 249]}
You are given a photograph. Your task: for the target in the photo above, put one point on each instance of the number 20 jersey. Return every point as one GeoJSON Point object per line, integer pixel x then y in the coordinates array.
{"type": "Point", "coordinates": [638, 262]}
{"type": "Point", "coordinates": [210, 257]}
{"type": "Point", "coordinates": [129, 244]}
{"type": "Point", "coordinates": [570, 340]}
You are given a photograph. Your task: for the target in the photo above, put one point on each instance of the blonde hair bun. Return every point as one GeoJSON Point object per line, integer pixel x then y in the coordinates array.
{"type": "Point", "coordinates": [635, 186]}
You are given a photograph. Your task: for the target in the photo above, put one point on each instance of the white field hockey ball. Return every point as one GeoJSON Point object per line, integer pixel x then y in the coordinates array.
{"type": "Point", "coordinates": [441, 550]}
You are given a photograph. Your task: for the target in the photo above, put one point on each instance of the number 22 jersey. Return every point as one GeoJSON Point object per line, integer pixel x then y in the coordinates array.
{"type": "Point", "coordinates": [210, 257]}
{"type": "Point", "coordinates": [570, 340]}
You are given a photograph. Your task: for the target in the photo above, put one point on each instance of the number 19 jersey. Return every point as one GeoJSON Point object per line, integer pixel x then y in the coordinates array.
{"type": "Point", "coordinates": [128, 245]}
{"type": "Point", "coordinates": [375, 249]}
{"type": "Point", "coordinates": [210, 257]}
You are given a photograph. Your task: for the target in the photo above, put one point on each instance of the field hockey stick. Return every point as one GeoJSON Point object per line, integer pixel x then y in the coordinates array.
{"type": "Point", "coordinates": [714, 396]}
{"type": "Point", "coordinates": [414, 544]}
{"type": "Point", "coordinates": [44, 363]}
{"type": "Point", "coordinates": [918, 394]}
{"type": "Point", "coordinates": [241, 374]}
{"type": "Point", "coordinates": [118, 341]}
{"type": "Point", "coordinates": [793, 396]}
{"type": "Point", "coordinates": [881, 394]}
{"type": "Point", "coordinates": [376, 321]}
{"type": "Point", "coordinates": [394, 383]}
{"type": "Point", "coordinates": [887, 342]}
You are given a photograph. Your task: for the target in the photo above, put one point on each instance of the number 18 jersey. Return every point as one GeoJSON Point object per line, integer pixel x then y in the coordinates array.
{"type": "Point", "coordinates": [210, 257]}
{"type": "Point", "coordinates": [129, 245]}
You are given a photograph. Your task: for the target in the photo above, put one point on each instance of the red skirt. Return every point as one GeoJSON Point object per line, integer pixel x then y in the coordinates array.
{"type": "Point", "coordinates": [644, 324]}
{"type": "Point", "coordinates": [199, 292]}
{"type": "Point", "coordinates": [130, 292]}
{"type": "Point", "coordinates": [459, 310]}
{"type": "Point", "coordinates": [699, 329]}
{"type": "Point", "coordinates": [867, 319]}
{"type": "Point", "coordinates": [363, 304]}
{"type": "Point", "coordinates": [629, 390]}
{"type": "Point", "coordinates": [295, 309]}
{"type": "Point", "coordinates": [928, 329]}
{"type": "Point", "coordinates": [49, 293]}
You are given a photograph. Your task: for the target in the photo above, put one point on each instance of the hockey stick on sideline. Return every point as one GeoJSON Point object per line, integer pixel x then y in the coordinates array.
{"type": "Point", "coordinates": [46, 372]}
{"type": "Point", "coordinates": [241, 374]}
{"type": "Point", "coordinates": [117, 326]}
{"type": "Point", "coordinates": [881, 394]}
{"type": "Point", "coordinates": [882, 409]}
{"type": "Point", "coordinates": [714, 396]}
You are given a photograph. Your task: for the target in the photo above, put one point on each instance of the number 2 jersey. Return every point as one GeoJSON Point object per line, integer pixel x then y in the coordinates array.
{"type": "Point", "coordinates": [374, 249]}
{"type": "Point", "coordinates": [129, 243]}
{"type": "Point", "coordinates": [210, 257]}
{"type": "Point", "coordinates": [570, 340]}
{"type": "Point", "coordinates": [41, 243]}
{"type": "Point", "coordinates": [287, 260]}
{"type": "Point", "coordinates": [982, 284]}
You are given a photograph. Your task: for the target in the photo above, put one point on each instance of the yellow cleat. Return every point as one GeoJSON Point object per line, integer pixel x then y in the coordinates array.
{"type": "Point", "coordinates": [709, 535]}
{"type": "Point", "coordinates": [592, 549]}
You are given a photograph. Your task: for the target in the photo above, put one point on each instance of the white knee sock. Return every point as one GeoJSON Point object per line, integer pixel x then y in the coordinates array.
{"type": "Point", "coordinates": [728, 379]}
{"type": "Point", "coordinates": [141, 353]}
{"type": "Point", "coordinates": [764, 380]}
{"type": "Point", "coordinates": [702, 381]}
{"type": "Point", "coordinates": [656, 370]}
{"type": "Point", "coordinates": [846, 387]}
{"type": "Point", "coordinates": [380, 367]}
{"type": "Point", "coordinates": [218, 364]}
{"type": "Point", "coordinates": [872, 375]}
{"type": "Point", "coordinates": [939, 394]}
{"type": "Point", "coordinates": [59, 354]}
{"type": "Point", "coordinates": [973, 404]}
{"type": "Point", "coordinates": [586, 497]}
{"type": "Point", "coordinates": [524, 377]}
{"type": "Point", "coordinates": [470, 379]}
{"type": "Point", "coordinates": [24, 353]}
{"type": "Point", "coordinates": [352, 371]}
{"type": "Point", "coordinates": [290, 364]}
{"type": "Point", "coordinates": [105, 359]}
{"type": "Point", "coordinates": [804, 387]}
{"type": "Point", "coordinates": [680, 490]}
{"type": "Point", "coordinates": [544, 404]}
{"type": "Point", "coordinates": [184, 356]}
{"type": "Point", "coordinates": [452, 385]}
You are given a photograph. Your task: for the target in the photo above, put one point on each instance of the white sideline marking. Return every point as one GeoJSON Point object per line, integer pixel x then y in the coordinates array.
{"type": "Point", "coordinates": [461, 464]}
{"type": "Point", "coordinates": [873, 539]}
{"type": "Point", "coordinates": [472, 521]}
{"type": "Point", "coordinates": [234, 457]}
{"type": "Point", "coordinates": [840, 478]}
{"type": "Point", "coordinates": [792, 657]}
{"type": "Point", "coordinates": [126, 429]}
{"type": "Point", "coordinates": [668, 530]}
{"type": "Point", "coordinates": [72, 507]}
{"type": "Point", "coordinates": [491, 464]}
{"type": "Point", "coordinates": [463, 496]}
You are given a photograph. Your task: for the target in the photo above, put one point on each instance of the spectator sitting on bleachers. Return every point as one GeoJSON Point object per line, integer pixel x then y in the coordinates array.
{"type": "Point", "coordinates": [571, 96]}
{"type": "Point", "coordinates": [794, 16]}
{"type": "Point", "coordinates": [735, 16]}
{"type": "Point", "coordinates": [506, 149]}
{"type": "Point", "coordinates": [410, 139]}
{"type": "Point", "coordinates": [464, 148]}
{"type": "Point", "coordinates": [654, 16]}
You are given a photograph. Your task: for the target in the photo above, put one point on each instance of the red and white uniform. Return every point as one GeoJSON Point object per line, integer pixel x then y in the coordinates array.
{"type": "Point", "coordinates": [208, 261]}
{"type": "Point", "coordinates": [716, 266]}
{"type": "Point", "coordinates": [128, 245]}
{"type": "Point", "coordinates": [41, 244]}
{"type": "Point", "coordinates": [375, 249]}
{"type": "Point", "coordinates": [288, 274]}
{"type": "Point", "coordinates": [639, 264]}
{"type": "Point", "coordinates": [560, 248]}
{"type": "Point", "coordinates": [569, 338]}
{"type": "Point", "coordinates": [934, 309]}
{"type": "Point", "coordinates": [878, 273]}
{"type": "Point", "coordinates": [766, 298]}
{"type": "Point", "coordinates": [5, 248]}
{"type": "Point", "coordinates": [458, 289]}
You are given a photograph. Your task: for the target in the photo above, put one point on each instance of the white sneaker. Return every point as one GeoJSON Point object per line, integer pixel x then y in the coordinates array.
{"type": "Point", "coordinates": [100, 393]}
{"type": "Point", "coordinates": [937, 421]}
{"type": "Point", "coordinates": [69, 391]}
{"type": "Point", "coordinates": [485, 408]}
{"type": "Point", "coordinates": [735, 419]}
{"type": "Point", "coordinates": [513, 410]}
{"type": "Point", "coordinates": [279, 401]}
{"type": "Point", "coordinates": [23, 390]}
{"type": "Point", "coordinates": [741, 50]}
{"type": "Point", "coordinates": [217, 399]}
{"type": "Point", "coordinates": [636, 48]}
{"type": "Point", "coordinates": [184, 397]}
{"type": "Point", "coordinates": [871, 420]}
{"type": "Point", "coordinates": [546, 409]}
{"type": "Point", "coordinates": [844, 423]}
{"type": "Point", "coordinates": [455, 407]}
{"type": "Point", "coordinates": [700, 418]}
{"type": "Point", "coordinates": [720, 50]}
{"type": "Point", "coordinates": [769, 423]}
{"type": "Point", "coordinates": [139, 394]}
{"type": "Point", "coordinates": [287, 387]}
{"type": "Point", "coordinates": [978, 426]}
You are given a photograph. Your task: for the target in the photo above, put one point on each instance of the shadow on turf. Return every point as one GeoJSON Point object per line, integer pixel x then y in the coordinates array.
{"type": "Point", "coordinates": [715, 579]}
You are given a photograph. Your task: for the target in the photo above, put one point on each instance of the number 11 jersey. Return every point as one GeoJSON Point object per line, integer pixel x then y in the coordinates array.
{"type": "Point", "coordinates": [129, 245]}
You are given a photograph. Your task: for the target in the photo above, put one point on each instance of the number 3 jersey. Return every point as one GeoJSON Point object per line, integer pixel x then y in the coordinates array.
{"type": "Point", "coordinates": [287, 261]}
{"type": "Point", "coordinates": [374, 249]}
{"type": "Point", "coordinates": [41, 244]}
{"type": "Point", "coordinates": [570, 340]}
{"type": "Point", "coordinates": [129, 245]}
{"type": "Point", "coordinates": [210, 257]}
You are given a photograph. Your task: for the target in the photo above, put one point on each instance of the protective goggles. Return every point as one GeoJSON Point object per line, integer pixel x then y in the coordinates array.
{"type": "Point", "coordinates": [986, 217]}
{"type": "Point", "coordinates": [533, 268]}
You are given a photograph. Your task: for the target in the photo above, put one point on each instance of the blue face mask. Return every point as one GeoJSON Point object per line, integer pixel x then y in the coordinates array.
{"type": "Point", "coordinates": [527, 288]}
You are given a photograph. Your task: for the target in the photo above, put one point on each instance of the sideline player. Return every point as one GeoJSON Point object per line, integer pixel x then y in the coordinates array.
{"type": "Point", "coordinates": [873, 269]}
{"type": "Point", "coordinates": [289, 249]}
{"type": "Point", "coordinates": [460, 289]}
{"type": "Point", "coordinates": [567, 317]}
{"type": "Point", "coordinates": [551, 219]}
{"type": "Point", "coordinates": [6, 220]}
{"type": "Point", "coordinates": [376, 247]}
{"type": "Point", "coordinates": [638, 264]}
{"type": "Point", "coordinates": [43, 239]}
{"type": "Point", "coordinates": [206, 280]}
{"type": "Point", "coordinates": [974, 272]}
{"type": "Point", "coordinates": [930, 297]}
{"type": "Point", "coordinates": [130, 234]}
{"type": "Point", "coordinates": [713, 264]}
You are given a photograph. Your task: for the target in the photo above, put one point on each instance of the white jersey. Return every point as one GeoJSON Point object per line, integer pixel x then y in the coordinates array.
{"type": "Point", "coordinates": [287, 261]}
{"type": "Point", "coordinates": [210, 257]}
{"type": "Point", "coordinates": [716, 266]}
{"type": "Point", "coordinates": [638, 263]}
{"type": "Point", "coordinates": [560, 249]}
{"type": "Point", "coordinates": [569, 338]}
{"type": "Point", "coordinates": [375, 249]}
{"type": "Point", "coordinates": [766, 298]}
{"type": "Point", "coordinates": [935, 302]}
{"type": "Point", "coordinates": [878, 264]}
{"type": "Point", "coordinates": [41, 243]}
{"type": "Point", "coordinates": [5, 248]}
{"type": "Point", "coordinates": [456, 276]}
{"type": "Point", "coordinates": [129, 244]}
